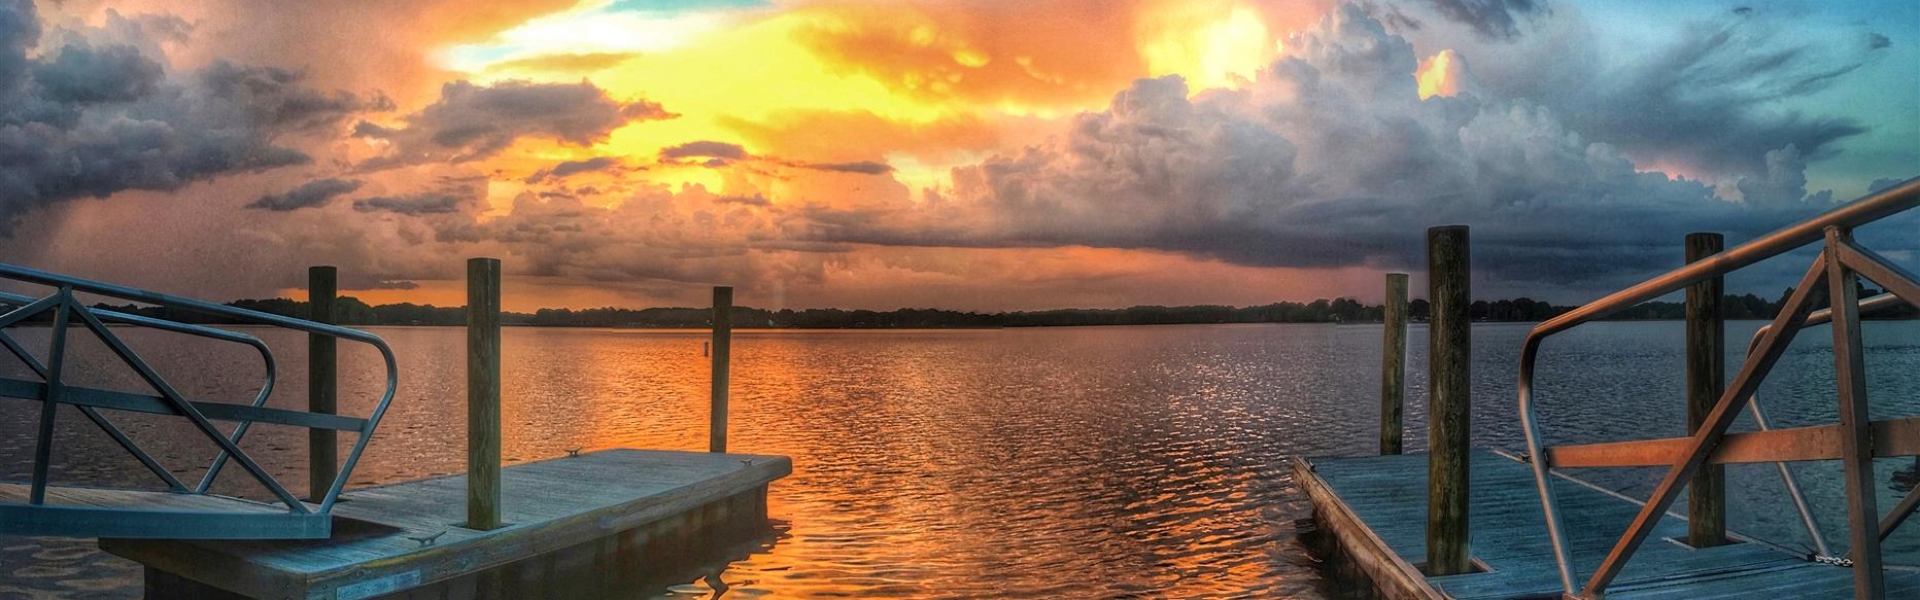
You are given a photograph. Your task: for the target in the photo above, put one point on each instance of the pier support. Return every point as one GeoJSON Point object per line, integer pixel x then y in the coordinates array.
{"type": "Point", "coordinates": [1450, 406]}
{"type": "Point", "coordinates": [1856, 437]}
{"type": "Point", "coordinates": [1393, 365]}
{"type": "Point", "coordinates": [323, 452]}
{"type": "Point", "coordinates": [1706, 378]}
{"type": "Point", "coordinates": [483, 393]}
{"type": "Point", "coordinates": [722, 353]}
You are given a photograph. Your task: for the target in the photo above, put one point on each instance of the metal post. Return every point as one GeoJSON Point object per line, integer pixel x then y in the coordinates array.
{"type": "Point", "coordinates": [323, 451]}
{"type": "Point", "coordinates": [483, 393]}
{"type": "Point", "coordinates": [1393, 366]}
{"type": "Point", "coordinates": [1450, 406]}
{"type": "Point", "coordinates": [1706, 378]}
{"type": "Point", "coordinates": [722, 351]}
{"type": "Point", "coordinates": [50, 398]}
{"type": "Point", "coordinates": [1856, 437]}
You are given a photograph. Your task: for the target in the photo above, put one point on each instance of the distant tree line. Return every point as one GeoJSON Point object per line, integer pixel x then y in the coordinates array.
{"type": "Point", "coordinates": [351, 311]}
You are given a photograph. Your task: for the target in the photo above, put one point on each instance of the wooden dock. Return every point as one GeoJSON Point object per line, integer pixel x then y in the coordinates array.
{"type": "Point", "coordinates": [571, 524]}
{"type": "Point", "coordinates": [1374, 508]}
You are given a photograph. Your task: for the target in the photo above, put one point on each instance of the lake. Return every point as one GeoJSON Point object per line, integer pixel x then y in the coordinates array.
{"type": "Point", "coordinates": [1097, 462]}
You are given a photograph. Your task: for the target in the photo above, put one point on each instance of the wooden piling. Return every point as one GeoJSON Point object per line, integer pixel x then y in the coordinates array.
{"type": "Point", "coordinates": [722, 351]}
{"type": "Point", "coordinates": [1393, 366]}
{"type": "Point", "coordinates": [1706, 377]}
{"type": "Point", "coordinates": [483, 393]}
{"type": "Point", "coordinates": [323, 380]}
{"type": "Point", "coordinates": [1450, 406]}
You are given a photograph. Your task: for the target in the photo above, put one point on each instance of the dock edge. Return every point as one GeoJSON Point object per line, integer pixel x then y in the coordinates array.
{"type": "Point", "coordinates": [1391, 576]}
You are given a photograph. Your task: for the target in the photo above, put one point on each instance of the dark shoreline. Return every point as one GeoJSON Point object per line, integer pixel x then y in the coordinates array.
{"type": "Point", "coordinates": [353, 312]}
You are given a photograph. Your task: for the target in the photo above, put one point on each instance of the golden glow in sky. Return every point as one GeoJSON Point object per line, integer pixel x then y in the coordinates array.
{"type": "Point", "coordinates": [920, 86]}
{"type": "Point", "coordinates": [974, 154]}
{"type": "Point", "coordinates": [1439, 75]}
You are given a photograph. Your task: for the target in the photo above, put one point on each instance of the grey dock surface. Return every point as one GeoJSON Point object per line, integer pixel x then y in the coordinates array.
{"type": "Point", "coordinates": [600, 510]}
{"type": "Point", "coordinates": [1375, 509]}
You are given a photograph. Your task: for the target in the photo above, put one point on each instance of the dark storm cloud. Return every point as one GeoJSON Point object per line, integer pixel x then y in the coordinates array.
{"type": "Point", "coordinates": [1884, 183]}
{"type": "Point", "coordinates": [1330, 159]}
{"type": "Point", "coordinates": [19, 31]}
{"type": "Point", "coordinates": [704, 149]}
{"type": "Point", "coordinates": [278, 97]}
{"type": "Point", "coordinates": [312, 194]}
{"type": "Point", "coordinates": [1710, 96]}
{"type": "Point", "coordinates": [81, 73]}
{"type": "Point", "coordinates": [1499, 19]}
{"type": "Point", "coordinates": [447, 195]}
{"type": "Point", "coordinates": [574, 167]}
{"type": "Point", "coordinates": [864, 167]}
{"type": "Point", "coordinates": [754, 200]}
{"type": "Point", "coordinates": [471, 122]}
{"type": "Point", "coordinates": [92, 117]}
{"type": "Point", "coordinates": [722, 154]}
{"type": "Point", "coordinates": [431, 203]}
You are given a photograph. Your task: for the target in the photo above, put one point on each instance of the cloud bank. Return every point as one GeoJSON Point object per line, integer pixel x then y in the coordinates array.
{"type": "Point", "coordinates": [87, 113]}
{"type": "Point", "coordinates": [969, 147]}
{"type": "Point", "coordinates": [1329, 158]}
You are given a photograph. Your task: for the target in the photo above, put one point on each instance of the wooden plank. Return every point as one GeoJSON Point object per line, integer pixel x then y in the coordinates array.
{"type": "Point", "coordinates": [1390, 571]}
{"type": "Point", "coordinates": [548, 504]}
{"type": "Point", "coordinates": [1384, 526]}
{"type": "Point", "coordinates": [1891, 437]}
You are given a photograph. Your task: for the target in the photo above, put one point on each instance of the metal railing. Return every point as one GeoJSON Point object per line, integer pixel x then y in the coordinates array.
{"type": "Point", "coordinates": [1818, 317]}
{"type": "Point", "coordinates": [1837, 266]}
{"type": "Point", "coordinates": [53, 390]}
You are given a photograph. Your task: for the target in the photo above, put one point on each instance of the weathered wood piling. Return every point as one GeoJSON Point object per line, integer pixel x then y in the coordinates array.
{"type": "Point", "coordinates": [483, 393]}
{"type": "Point", "coordinates": [722, 358]}
{"type": "Point", "coordinates": [323, 380]}
{"type": "Point", "coordinates": [1450, 405]}
{"type": "Point", "coordinates": [1706, 377]}
{"type": "Point", "coordinates": [1393, 364]}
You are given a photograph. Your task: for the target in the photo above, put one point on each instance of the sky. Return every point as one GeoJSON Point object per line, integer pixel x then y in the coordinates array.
{"type": "Point", "coordinates": [977, 155]}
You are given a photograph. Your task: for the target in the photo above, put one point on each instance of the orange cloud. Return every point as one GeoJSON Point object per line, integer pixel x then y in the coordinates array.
{"type": "Point", "coordinates": [1043, 55]}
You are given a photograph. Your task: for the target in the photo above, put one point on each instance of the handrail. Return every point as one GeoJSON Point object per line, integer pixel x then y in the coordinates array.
{"type": "Point", "coordinates": [69, 285]}
{"type": "Point", "coordinates": [1887, 202]}
{"type": "Point", "coordinates": [1901, 197]}
{"type": "Point", "coordinates": [266, 358]}
{"type": "Point", "coordinates": [1818, 317]}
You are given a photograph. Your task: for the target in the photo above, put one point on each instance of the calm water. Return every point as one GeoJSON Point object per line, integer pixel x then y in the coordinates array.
{"type": "Point", "coordinates": [1073, 462]}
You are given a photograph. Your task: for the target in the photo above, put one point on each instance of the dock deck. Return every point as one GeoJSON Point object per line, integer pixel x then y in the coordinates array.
{"type": "Point", "coordinates": [612, 510]}
{"type": "Point", "coordinates": [1375, 508]}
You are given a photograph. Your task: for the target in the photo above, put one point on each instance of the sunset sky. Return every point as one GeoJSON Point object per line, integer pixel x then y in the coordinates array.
{"type": "Point", "coordinates": [984, 155]}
